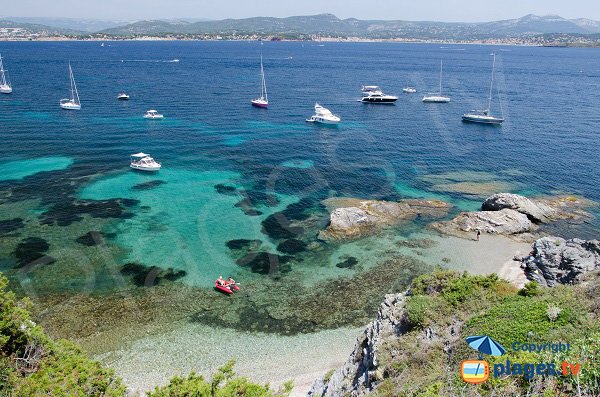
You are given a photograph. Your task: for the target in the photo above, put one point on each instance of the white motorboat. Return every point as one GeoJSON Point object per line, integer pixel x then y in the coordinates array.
{"type": "Point", "coordinates": [263, 100]}
{"type": "Point", "coordinates": [484, 116]}
{"type": "Point", "coordinates": [409, 90]}
{"type": "Point", "coordinates": [374, 94]}
{"type": "Point", "coordinates": [5, 87]}
{"type": "Point", "coordinates": [143, 162]}
{"type": "Point", "coordinates": [153, 114]}
{"type": "Point", "coordinates": [73, 102]}
{"type": "Point", "coordinates": [437, 97]}
{"type": "Point", "coordinates": [324, 116]}
{"type": "Point", "coordinates": [123, 96]}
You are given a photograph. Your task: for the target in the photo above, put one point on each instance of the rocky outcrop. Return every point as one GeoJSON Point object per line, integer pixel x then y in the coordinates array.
{"type": "Point", "coordinates": [514, 215]}
{"type": "Point", "coordinates": [358, 374]}
{"type": "Point", "coordinates": [558, 261]}
{"type": "Point", "coordinates": [351, 218]}
{"type": "Point", "coordinates": [537, 212]}
{"type": "Point", "coordinates": [505, 221]}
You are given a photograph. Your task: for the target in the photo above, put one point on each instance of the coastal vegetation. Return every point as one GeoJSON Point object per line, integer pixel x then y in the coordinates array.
{"type": "Point", "coordinates": [34, 364]}
{"type": "Point", "coordinates": [445, 307]}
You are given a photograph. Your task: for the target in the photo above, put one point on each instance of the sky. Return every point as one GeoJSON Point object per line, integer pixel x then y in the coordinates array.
{"type": "Point", "coordinates": [414, 10]}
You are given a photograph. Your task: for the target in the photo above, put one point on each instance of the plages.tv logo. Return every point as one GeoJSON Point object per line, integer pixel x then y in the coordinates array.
{"type": "Point", "coordinates": [478, 371]}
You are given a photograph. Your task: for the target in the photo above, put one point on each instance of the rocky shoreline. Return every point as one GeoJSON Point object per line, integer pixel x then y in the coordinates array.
{"type": "Point", "coordinates": [552, 261]}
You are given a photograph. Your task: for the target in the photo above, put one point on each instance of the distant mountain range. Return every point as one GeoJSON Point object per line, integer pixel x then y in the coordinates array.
{"type": "Point", "coordinates": [328, 24]}
{"type": "Point", "coordinates": [323, 25]}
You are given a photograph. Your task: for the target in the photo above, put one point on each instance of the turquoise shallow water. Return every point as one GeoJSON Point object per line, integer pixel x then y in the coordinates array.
{"type": "Point", "coordinates": [233, 172]}
{"type": "Point", "coordinates": [183, 223]}
{"type": "Point", "coordinates": [20, 169]}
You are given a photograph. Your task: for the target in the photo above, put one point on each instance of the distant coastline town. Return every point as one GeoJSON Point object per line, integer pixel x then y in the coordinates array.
{"type": "Point", "coordinates": [552, 31]}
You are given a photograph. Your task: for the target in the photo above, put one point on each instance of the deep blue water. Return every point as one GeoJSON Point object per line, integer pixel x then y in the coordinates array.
{"type": "Point", "coordinates": [550, 98]}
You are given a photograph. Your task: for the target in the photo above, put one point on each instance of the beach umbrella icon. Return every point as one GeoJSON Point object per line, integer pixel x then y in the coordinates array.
{"type": "Point", "coordinates": [486, 345]}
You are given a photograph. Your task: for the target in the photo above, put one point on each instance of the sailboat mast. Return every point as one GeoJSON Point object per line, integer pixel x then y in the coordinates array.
{"type": "Point", "coordinates": [491, 84]}
{"type": "Point", "coordinates": [263, 87]}
{"type": "Point", "coordinates": [2, 76]}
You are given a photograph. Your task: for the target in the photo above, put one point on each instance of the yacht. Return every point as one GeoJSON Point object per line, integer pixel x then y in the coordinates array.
{"type": "Point", "coordinates": [73, 102]}
{"type": "Point", "coordinates": [484, 116]}
{"type": "Point", "coordinates": [437, 97]}
{"type": "Point", "coordinates": [143, 162]}
{"type": "Point", "coordinates": [5, 87]}
{"type": "Point", "coordinates": [409, 90]}
{"type": "Point", "coordinates": [153, 114]}
{"type": "Point", "coordinates": [263, 101]}
{"type": "Point", "coordinates": [324, 116]}
{"type": "Point", "coordinates": [373, 94]}
{"type": "Point", "coordinates": [123, 96]}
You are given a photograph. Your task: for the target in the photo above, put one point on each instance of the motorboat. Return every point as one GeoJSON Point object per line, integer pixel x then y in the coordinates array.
{"type": "Point", "coordinates": [153, 114]}
{"type": "Point", "coordinates": [324, 116]}
{"type": "Point", "coordinates": [263, 100]}
{"type": "Point", "coordinates": [5, 87]}
{"type": "Point", "coordinates": [409, 90]}
{"type": "Point", "coordinates": [143, 162]}
{"type": "Point", "coordinates": [72, 103]}
{"type": "Point", "coordinates": [437, 97]}
{"type": "Point", "coordinates": [484, 116]}
{"type": "Point", "coordinates": [374, 94]}
{"type": "Point", "coordinates": [123, 96]}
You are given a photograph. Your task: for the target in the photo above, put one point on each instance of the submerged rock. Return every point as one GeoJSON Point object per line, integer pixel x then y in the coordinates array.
{"type": "Point", "coordinates": [265, 262]}
{"type": "Point", "coordinates": [11, 225]}
{"type": "Point", "coordinates": [90, 239]}
{"type": "Point", "coordinates": [240, 244]}
{"type": "Point", "coordinates": [292, 246]}
{"type": "Point", "coordinates": [148, 185]}
{"type": "Point", "coordinates": [355, 218]}
{"type": "Point", "coordinates": [30, 250]}
{"type": "Point", "coordinates": [226, 189]}
{"type": "Point", "coordinates": [537, 212]}
{"type": "Point", "coordinates": [555, 260]}
{"type": "Point", "coordinates": [149, 276]}
{"type": "Point", "coordinates": [349, 263]}
{"type": "Point", "coordinates": [505, 221]}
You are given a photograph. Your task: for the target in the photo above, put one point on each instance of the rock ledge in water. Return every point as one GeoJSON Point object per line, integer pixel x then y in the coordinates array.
{"type": "Point", "coordinates": [354, 218]}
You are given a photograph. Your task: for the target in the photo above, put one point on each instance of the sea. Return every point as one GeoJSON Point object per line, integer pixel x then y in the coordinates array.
{"type": "Point", "coordinates": [109, 255]}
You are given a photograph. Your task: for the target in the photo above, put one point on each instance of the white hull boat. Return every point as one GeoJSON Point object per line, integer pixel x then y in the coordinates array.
{"type": "Point", "coordinates": [72, 103]}
{"type": "Point", "coordinates": [324, 116]}
{"type": "Point", "coordinates": [409, 90]}
{"type": "Point", "coordinates": [263, 100]}
{"type": "Point", "coordinates": [373, 94]}
{"type": "Point", "coordinates": [484, 116]}
{"type": "Point", "coordinates": [143, 162]}
{"type": "Point", "coordinates": [5, 87]}
{"type": "Point", "coordinates": [123, 96]}
{"type": "Point", "coordinates": [437, 97]}
{"type": "Point", "coordinates": [153, 115]}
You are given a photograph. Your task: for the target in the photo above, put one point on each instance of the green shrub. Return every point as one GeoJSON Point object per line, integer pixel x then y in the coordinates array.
{"type": "Point", "coordinates": [532, 288]}
{"type": "Point", "coordinates": [224, 383]}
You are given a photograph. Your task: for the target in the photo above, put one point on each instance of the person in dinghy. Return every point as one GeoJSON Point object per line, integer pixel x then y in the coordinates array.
{"type": "Point", "coordinates": [232, 284]}
{"type": "Point", "coordinates": [223, 286]}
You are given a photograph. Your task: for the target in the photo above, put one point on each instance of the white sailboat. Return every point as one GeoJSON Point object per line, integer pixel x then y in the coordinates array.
{"type": "Point", "coordinates": [263, 101]}
{"type": "Point", "coordinates": [72, 103]}
{"type": "Point", "coordinates": [5, 87]}
{"type": "Point", "coordinates": [437, 97]}
{"type": "Point", "coordinates": [484, 116]}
